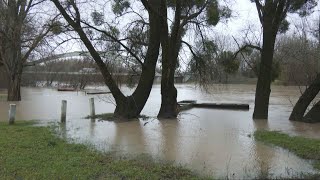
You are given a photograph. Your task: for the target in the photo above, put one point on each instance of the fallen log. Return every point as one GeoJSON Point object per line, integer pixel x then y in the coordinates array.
{"type": "Point", "coordinates": [93, 93]}
{"type": "Point", "coordinates": [222, 106]}
{"type": "Point", "coordinates": [188, 104]}
{"type": "Point", "coordinates": [66, 89]}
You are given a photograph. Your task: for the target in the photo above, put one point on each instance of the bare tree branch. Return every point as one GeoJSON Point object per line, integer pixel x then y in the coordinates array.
{"type": "Point", "coordinates": [194, 15]}
{"type": "Point", "coordinates": [118, 41]}
{"type": "Point", "coordinates": [244, 58]}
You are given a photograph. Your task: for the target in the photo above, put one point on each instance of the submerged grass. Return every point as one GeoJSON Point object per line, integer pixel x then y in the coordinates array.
{"type": "Point", "coordinates": [29, 152]}
{"type": "Point", "coordinates": [306, 148]}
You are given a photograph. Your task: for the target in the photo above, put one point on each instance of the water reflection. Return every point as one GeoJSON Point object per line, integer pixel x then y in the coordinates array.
{"type": "Point", "coordinates": [261, 124]}
{"type": "Point", "coordinates": [92, 127]}
{"type": "Point", "coordinates": [130, 137]}
{"type": "Point", "coordinates": [261, 151]}
{"type": "Point", "coordinates": [211, 141]}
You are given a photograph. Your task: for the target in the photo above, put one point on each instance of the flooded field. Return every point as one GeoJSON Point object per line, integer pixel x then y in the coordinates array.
{"type": "Point", "coordinates": [213, 142]}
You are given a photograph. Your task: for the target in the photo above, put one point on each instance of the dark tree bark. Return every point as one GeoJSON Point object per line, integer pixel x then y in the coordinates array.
{"type": "Point", "coordinates": [264, 78]}
{"type": "Point", "coordinates": [170, 50]}
{"type": "Point", "coordinates": [17, 43]}
{"type": "Point", "coordinates": [14, 85]}
{"type": "Point", "coordinates": [313, 116]}
{"type": "Point", "coordinates": [11, 50]}
{"type": "Point", "coordinates": [298, 112]}
{"type": "Point", "coordinates": [304, 101]}
{"type": "Point", "coordinates": [270, 15]}
{"type": "Point", "coordinates": [126, 107]}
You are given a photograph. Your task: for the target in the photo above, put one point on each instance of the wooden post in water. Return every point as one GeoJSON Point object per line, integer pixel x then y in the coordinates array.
{"type": "Point", "coordinates": [92, 110]}
{"type": "Point", "coordinates": [63, 111]}
{"type": "Point", "coordinates": [12, 113]}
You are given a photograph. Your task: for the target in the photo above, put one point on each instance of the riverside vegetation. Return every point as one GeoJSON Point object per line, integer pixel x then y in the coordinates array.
{"type": "Point", "coordinates": [33, 152]}
{"type": "Point", "coordinates": [306, 148]}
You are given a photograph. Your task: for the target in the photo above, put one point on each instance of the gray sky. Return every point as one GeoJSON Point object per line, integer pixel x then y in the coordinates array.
{"type": "Point", "coordinates": [244, 17]}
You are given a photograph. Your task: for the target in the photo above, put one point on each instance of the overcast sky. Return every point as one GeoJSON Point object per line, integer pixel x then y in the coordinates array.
{"type": "Point", "coordinates": [244, 15]}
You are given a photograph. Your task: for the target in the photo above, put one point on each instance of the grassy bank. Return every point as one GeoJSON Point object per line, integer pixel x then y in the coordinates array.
{"type": "Point", "coordinates": [303, 147]}
{"type": "Point", "coordinates": [3, 97]}
{"type": "Point", "coordinates": [28, 152]}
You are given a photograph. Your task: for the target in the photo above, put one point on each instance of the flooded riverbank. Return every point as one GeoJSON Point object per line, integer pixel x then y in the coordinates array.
{"type": "Point", "coordinates": [213, 142]}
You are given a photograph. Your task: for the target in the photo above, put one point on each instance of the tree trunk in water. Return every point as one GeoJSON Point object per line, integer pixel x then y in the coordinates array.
{"type": "Point", "coordinates": [305, 99]}
{"type": "Point", "coordinates": [131, 106]}
{"type": "Point", "coordinates": [264, 79]}
{"type": "Point", "coordinates": [14, 85]}
{"type": "Point", "coordinates": [169, 106]}
{"type": "Point", "coordinates": [127, 107]}
{"type": "Point", "coordinates": [313, 116]}
{"type": "Point", "coordinates": [226, 78]}
{"type": "Point", "coordinates": [170, 50]}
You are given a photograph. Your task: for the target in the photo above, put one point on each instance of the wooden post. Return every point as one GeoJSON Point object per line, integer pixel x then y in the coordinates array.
{"type": "Point", "coordinates": [12, 113]}
{"type": "Point", "coordinates": [63, 111]}
{"type": "Point", "coordinates": [92, 110]}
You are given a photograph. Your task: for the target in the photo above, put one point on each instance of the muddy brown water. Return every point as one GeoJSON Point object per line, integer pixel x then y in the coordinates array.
{"type": "Point", "coordinates": [210, 141]}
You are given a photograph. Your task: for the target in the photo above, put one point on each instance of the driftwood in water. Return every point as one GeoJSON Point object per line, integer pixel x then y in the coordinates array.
{"type": "Point", "coordinates": [222, 106]}
{"type": "Point", "coordinates": [66, 89]}
{"type": "Point", "coordinates": [93, 93]}
{"type": "Point", "coordinates": [188, 104]}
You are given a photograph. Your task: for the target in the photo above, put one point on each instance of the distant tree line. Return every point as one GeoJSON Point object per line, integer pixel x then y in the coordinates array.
{"type": "Point", "coordinates": [157, 33]}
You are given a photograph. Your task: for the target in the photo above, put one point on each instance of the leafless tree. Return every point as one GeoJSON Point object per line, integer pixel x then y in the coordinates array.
{"type": "Point", "coordinates": [22, 30]}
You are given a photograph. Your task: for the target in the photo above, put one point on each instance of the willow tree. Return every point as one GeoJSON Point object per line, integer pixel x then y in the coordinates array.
{"type": "Point", "coordinates": [186, 13]}
{"type": "Point", "coordinates": [272, 16]}
{"type": "Point", "coordinates": [126, 106]}
{"type": "Point", "coordinates": [21, 32]}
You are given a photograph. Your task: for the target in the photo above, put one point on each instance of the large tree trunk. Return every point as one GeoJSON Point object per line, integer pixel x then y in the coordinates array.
{"type": "Point", "coordinates": [130, 106]}
{"type": "Point", "coordinates": [264, 78]}
{"type": "Point", "coordinates": [313, 116]}
{"type": "Point", "coordinates": [169, 105]}
{"type": "Point", "coordinates": [14, 85]}
{"type": "Point", "coordinates": [305, 99]}
{"type": "Point", "coordinates": [170, 51]}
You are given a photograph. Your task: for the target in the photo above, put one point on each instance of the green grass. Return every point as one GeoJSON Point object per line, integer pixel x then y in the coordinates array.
{"type": "Point", "coordinates": [303, 147]}
{"type": "Point", "coordinates": [29, 152]}
{"type": "Point", "coordinates": [3, 97]}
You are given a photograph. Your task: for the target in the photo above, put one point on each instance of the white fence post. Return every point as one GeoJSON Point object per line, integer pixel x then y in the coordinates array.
{"type": "Point", "coordinates": [92, 109]}
{"type": "Point", "coordinates": [12, 113]}
{"type": "Point", "coordinates": [63, 111]}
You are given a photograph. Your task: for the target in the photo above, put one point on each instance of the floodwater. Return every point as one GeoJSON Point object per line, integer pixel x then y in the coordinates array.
{"type": "Point", "coordinates": [210, 141]}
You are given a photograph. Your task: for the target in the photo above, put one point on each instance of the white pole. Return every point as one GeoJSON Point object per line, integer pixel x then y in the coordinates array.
{"type": "Point", "coordinates": [63, 111]}
{"type": "Point", "coordinates": [92, 109]}
{"type": "Point", "coordinates": [12, 113]}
